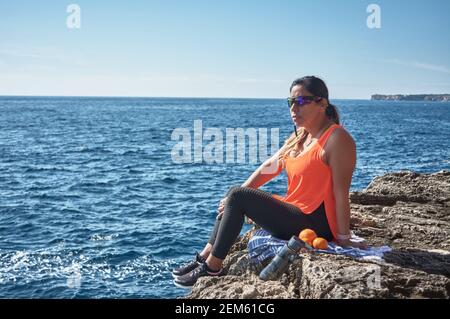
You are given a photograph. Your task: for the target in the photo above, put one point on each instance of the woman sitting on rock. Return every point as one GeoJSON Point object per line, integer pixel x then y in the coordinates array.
{"type": "Point", "coordinates": [319, 159]}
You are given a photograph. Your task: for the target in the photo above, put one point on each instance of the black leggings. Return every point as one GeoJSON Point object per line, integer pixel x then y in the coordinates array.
{"type": "Point", "coordinates": [280, 219]}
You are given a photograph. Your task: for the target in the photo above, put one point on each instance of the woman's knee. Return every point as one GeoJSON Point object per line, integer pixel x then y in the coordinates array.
{"type": "Point", "coordinates": [232, 189]}
{"type": "Point", "coordinates": [236, 193]}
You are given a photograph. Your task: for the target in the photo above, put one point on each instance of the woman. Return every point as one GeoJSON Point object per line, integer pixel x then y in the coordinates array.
{"type": "Point", "coordinates": [319, 159]}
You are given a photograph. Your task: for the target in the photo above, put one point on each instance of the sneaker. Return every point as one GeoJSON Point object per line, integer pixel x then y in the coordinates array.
{"type": "Point", "coordinates": [189, 280]}
{"type": "Point", "coordinates": [183, 270]}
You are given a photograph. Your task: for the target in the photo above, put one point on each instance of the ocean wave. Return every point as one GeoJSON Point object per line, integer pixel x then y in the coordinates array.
{"type": "Point", "coordinates": [102, 237]}
{"type": "Point", "coordinates": [41, 169]}
{"type": "Point", "coordinates": [92, 149]}
{"type": "Point", "coordinates": [169, 180]}
{"type": "Point", "coordinates": [22, 270]}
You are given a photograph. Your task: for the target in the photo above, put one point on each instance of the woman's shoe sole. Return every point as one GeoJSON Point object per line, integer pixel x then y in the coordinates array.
{"type": "Point", "coordinates": [180, 286]}
{"type": "Point", "coordinates": [174, 276]}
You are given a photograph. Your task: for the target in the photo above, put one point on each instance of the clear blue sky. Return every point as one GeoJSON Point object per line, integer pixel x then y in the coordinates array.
{"type": "Point", "coordinates": [223, 48]}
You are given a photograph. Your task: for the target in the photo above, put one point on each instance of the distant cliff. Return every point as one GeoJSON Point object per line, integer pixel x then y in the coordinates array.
{"type": "Point", "coordinates": [413, 97]}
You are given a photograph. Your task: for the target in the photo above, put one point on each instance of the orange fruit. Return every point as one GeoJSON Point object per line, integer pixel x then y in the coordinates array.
{"type": "Point", "coordinates": [320, 243]}
{"type": "Point", "coordinates": [307, 235]}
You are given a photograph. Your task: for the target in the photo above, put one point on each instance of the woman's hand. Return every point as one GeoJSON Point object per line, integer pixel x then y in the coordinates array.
{"type": "Point", "coordinates": [221, 206]}
{"type": "Point", "coordinates": [351, 243]}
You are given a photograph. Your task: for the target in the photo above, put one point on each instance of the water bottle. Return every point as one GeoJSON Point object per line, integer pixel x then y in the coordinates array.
{"type": "Point", "coordinates": [280, 262]}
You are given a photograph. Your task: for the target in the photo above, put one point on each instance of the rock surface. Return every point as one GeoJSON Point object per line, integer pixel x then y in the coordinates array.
{"type": "Point", "coordinates": [410, 212]}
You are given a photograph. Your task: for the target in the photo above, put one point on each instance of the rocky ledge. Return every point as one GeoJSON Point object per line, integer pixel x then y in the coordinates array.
{"type": "Point", "coordinates": [410, 212]}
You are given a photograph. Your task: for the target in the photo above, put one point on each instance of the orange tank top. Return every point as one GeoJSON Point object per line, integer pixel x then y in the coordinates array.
{"type": "Point", "coordinates": [310, 182]}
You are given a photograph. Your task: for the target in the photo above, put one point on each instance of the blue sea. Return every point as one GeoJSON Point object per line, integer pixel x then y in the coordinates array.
{"type": "Point", "coordinates": [92, 204]}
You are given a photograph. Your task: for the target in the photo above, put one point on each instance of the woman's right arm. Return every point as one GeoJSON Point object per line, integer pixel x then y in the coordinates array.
{"type": "Point", "coordinates": [266, 172]}
{"type": "Point", "coordinates": [271, 168]}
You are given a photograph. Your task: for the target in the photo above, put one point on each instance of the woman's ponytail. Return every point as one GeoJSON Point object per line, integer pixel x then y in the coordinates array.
{"type": "Point", "coordinates": [332, 113]}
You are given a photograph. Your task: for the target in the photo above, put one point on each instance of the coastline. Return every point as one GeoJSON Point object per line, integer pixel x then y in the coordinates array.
{"type": "Point", "coordinates": [412, 97]}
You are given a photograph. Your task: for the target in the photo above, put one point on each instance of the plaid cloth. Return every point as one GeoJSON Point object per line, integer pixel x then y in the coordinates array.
{"type": "Point", "coordinates": [263, 245]}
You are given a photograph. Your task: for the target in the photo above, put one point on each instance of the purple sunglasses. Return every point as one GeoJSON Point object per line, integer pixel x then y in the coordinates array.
{"type": "Point", "coordinates": [302, 100]}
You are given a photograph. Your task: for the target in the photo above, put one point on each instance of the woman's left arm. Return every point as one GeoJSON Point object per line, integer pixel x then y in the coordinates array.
{"type": "Point", "coordinates": [342, 161]}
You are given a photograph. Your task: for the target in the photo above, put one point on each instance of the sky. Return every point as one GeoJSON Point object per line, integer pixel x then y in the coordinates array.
{"type": "Point", "coordinates": [223, 48]}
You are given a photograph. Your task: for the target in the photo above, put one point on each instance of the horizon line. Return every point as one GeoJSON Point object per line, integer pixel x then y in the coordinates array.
{"type": "Point", "coordinates": [164, 97]}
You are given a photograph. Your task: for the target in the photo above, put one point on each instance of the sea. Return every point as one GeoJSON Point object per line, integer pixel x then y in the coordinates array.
{"type": "Point", "coordinates": [101, 197]}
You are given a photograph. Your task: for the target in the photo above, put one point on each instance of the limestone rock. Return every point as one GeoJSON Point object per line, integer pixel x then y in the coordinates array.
{"type": "Point", "coordinates": [408, 211]}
